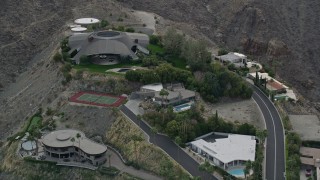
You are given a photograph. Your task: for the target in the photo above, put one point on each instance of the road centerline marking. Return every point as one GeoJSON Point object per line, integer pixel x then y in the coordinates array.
{"type": "Point", "coordinates": [275, 139]}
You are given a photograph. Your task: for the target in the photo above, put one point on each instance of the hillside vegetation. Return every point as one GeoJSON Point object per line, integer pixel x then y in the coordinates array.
{"type": "Point", "coordinates": [129, 138]}
{"type": "Point", "coordinates": [283, 34]}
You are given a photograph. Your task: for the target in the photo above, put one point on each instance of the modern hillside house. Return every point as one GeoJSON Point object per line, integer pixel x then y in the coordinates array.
{"type": "Point", "coordinates": [232, 150]}
{"type": "Point", "coordinates": [177, 94]}
{"type": "Point", "coordinates": [239, 60]}
{"type": "Point", "coordinates": [73, 144]}
{"type": "Point", "coordinates": [107, 47]}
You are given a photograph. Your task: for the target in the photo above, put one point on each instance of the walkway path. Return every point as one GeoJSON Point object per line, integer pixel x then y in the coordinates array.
{"type": "Point", "coordinates": [117, 162]}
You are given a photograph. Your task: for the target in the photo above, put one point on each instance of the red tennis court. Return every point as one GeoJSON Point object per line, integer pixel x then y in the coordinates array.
{"type": "Point", "coordinates": [97, 99]}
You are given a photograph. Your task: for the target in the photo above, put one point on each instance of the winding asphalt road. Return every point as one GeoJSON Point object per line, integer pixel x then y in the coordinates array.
{"type": "Point", "coordinates": [275, 157]}
{"type": "Point", "coordinates": [165, 143]}
{"type": "Point", "coordinates": [275, 153]}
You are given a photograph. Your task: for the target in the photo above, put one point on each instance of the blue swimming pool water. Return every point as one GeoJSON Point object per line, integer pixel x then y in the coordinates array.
{"type": "Point", "coordinates": [182, 107]}
{"type": "Point", "coordinates": [236, 172]}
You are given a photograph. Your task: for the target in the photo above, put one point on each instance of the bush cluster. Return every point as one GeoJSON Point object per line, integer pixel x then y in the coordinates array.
{"type": "Point", "coordinates": [190, 124]}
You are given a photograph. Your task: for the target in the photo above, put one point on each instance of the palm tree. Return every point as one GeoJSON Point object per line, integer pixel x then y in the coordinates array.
{"type": "Point", "coordinates": [139, 119]}
{"type": "Point", "coordinates": [247, 168]}
{"type": "Point", "coordinates": [162, 93]}
{"type": "Point", "coordinates": [154, 131]}
{"type": "Point", "coordinates": [109, 155]}
{"type": "Point", "coordinates": [262, 134]}
{"type": "Point", "coordinates": [178, 141]}
{"type": "Point", "coordinates": [72, 140]}
{"type": "Point", "coordinates": [78, 137]}
{"type": "Point", "coordinates": [136, 139]}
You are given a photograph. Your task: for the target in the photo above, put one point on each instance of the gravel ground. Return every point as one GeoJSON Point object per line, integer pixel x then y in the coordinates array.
{"type": "Point", "coordinates": [241, 111]}
{"type": "Point", "coordinates": [307, 126]}
{"type": "Point", "coordinates": [91, 120]}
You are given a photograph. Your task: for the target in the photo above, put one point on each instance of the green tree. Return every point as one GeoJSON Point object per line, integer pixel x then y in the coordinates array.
{"type": "Point", "coordinates": [262, 134]}
{"type": "Point", "coordinates": [134, 76]}
{"type": "Point", "coordinates": [149, 77]}
{"type": "Point", "coordinates": [155, 40]}
{"type": "Point", "coordinates": [104, 23]}
{"type": "Point", "coordinates": [166, 167]}
{"type": "Point", "coordinates": [257, 79]}
{"type": "Point", "coordinates": [150, 61]}
{"type": "Point", "coordinates": [172, 128]}
{"type": "Point", "coordinates": [222, 52]}
{"type": "Point", "coordinates": [130, 30]}
{"type": "Point", "coordinates": [247, 168]}
{"type": "Point", "coordinates": [172, 41]}
{"type": "Point", "coordinates": [196, 54]}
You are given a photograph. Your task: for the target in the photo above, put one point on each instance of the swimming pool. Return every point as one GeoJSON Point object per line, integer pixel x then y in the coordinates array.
{"type": "Point", "coordinates": [124, 69]}
{"type": "Point", "coordinates": [236, 172]}
{"type": "Point", "coordinates": [182, 107]}
{"type": "Point", "coordinates": [29, 145]}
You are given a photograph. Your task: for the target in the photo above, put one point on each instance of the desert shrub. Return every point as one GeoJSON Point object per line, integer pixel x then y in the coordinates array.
{"type": "Point", "coordinates": [222, 52]}
{"type": "Point", "coordinates": [155, 40]}
{"type": "Point", "coordinates": [57, 57]}
{"type": "Point", "coordinates": [65, 56]}
{"type": "Point", "coordinates": [130, 30]}
{"type": "Point", "coordinates": [104, 23]}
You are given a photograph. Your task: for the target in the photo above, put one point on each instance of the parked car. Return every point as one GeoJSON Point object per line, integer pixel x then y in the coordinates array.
{"type": "Point", "coordinates": [308, 172]}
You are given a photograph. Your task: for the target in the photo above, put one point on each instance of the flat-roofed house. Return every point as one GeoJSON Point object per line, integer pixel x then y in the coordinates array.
{"type": "Point", "coordinates": [234, 150]}
{"type": "Point", "coordinates": [239, 60]}
{"type": "Point", "coordinates": [179, 96]}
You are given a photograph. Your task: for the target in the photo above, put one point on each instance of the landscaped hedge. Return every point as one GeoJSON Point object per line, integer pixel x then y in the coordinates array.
{"type": "Point", "coordinates": [312, 144]}
{"type": "Point", "coordinates": [33, 160]}
{"type": "Point", "coordinates": [110, 171]}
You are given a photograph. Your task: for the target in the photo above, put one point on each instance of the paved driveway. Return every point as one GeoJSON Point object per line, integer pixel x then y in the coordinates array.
{"type": "Point", "coordinates": [173, 150]}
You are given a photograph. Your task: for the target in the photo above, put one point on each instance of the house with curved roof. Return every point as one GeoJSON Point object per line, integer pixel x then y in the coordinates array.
{"type": "Point", "coordinates": [102, 45]}
{"type": "Point", "coordinates": [67, 144]}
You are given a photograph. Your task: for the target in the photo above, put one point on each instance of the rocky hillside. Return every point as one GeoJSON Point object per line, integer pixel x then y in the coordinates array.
{"type": "Point", "coordinates": [283, 32]}
{"type": "Point", "coordinates": [28, 27]}
{"type": "Point", "coordinates": [30, 33]}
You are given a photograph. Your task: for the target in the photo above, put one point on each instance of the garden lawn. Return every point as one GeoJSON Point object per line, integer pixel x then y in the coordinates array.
{"type": "Point", "coordinates": [154, 49]}
{"type": "Point", "coordinates": [34, 122]}
{"type": "Point", "coordinates": [176, 61]}
{"type": "Point", "coordinates": [104, 68]}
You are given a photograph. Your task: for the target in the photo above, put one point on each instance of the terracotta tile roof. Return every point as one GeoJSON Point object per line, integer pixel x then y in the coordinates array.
{"type": "Point", "coordinates": [275, 85]}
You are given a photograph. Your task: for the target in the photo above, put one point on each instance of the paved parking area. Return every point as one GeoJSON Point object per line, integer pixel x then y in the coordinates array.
{"type": "Point", "coordinates": [133, 105]}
